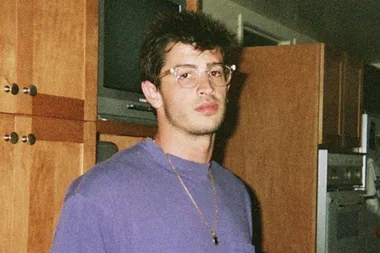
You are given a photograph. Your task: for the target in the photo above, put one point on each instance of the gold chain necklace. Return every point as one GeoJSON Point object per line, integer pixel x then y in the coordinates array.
{"type": "Point", "coordinates": [213, 231]}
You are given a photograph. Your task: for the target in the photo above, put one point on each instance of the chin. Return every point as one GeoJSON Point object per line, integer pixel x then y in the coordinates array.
{"type": "Point", "coordinates": [205, 129]}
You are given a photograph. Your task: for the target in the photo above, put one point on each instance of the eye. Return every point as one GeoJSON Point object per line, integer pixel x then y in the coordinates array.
{"type": "Point", "coordinates": [185, 73]}
{"type": "Point", "coordinates": [215, 73]}
{"type": "Point", "coordinates": [183, 76]}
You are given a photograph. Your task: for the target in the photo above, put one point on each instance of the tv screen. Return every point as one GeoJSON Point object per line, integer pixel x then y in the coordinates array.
{"type": "Point", "coordinates": [122, 25]}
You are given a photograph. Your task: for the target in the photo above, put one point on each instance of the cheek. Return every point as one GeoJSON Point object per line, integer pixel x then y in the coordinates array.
{"type": "Point", "coordinates": [174, 99]}
{"type": "Point", "coordinates": [184, 101]}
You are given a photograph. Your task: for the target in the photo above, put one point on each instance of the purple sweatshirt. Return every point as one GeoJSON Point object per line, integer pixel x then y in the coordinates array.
{"type": "Point", "coordinates": [134, 203]}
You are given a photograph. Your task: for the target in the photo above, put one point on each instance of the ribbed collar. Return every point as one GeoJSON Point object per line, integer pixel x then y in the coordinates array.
{"type": "Point", "coordinates": [186, 168]}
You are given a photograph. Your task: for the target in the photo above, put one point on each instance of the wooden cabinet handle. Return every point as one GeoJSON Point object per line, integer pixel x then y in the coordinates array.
{"type": "Point", "coordinates": [29, 139]}
{"type": "Point", "coordinates": [30, 90]}
{"type": "Point", "coordinates": [12, 138]}
{"type": "Point", "coordinates": [13, 89]}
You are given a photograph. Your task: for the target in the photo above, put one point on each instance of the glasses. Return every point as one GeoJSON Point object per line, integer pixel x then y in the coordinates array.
{"type": "Point", "coordinates": [188, 75]}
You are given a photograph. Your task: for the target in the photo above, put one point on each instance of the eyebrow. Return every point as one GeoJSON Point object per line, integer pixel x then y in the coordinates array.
{"type": "Point", "coordinates": [195, 66]}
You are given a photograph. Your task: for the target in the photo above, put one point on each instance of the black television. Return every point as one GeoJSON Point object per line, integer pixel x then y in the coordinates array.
{"type": "Point", "coordinates": [122, 24]}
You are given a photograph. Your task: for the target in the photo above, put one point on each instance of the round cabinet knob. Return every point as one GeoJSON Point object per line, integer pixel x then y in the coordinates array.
{"type": "Point", "coordinates": [30, 90]}
{"type": "Point", "coordinates": [13, 89]}
{"type": "Point", "coordinates": [12, 138]}
{"type": "Point", "coordinates": [30, 139]}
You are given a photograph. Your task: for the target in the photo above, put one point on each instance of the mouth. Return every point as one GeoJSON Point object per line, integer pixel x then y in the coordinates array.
{"type": "Point", "coordinates": [207, 108]}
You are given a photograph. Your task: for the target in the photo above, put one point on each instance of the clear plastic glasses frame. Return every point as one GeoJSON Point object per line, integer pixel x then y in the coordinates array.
{"type": "Point", "coordinates": [188, 75]}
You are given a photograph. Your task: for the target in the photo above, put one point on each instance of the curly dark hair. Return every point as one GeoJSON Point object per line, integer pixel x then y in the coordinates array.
{"type": "Point", "coordinates": [192, 28]}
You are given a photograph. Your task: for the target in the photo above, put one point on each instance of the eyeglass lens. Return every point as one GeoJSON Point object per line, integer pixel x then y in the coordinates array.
{"type": "Point", "coordinates": [219, 75]}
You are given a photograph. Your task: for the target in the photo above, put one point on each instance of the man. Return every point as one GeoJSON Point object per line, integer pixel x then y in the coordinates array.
{"type": "Point", "coordinates": [165, 194]}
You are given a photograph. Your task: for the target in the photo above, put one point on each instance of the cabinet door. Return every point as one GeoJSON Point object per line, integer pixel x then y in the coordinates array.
{"type": "Point", "coordinates": [342, 100]}
{"type": "Point", "coordinates": [273, 147]}
{"type": "Point", "coordinates": [8, 51]}
{"type": "Point", "coordinates": [332, 132]}
{"type": "Point", "coordinates": [7, 185]}
{"type": "Point", "coordinates": [41, 173]}
{"type": "Point", "coordinates": [352, 99]}
{"type": "Point", "coordinates": [54, 48]}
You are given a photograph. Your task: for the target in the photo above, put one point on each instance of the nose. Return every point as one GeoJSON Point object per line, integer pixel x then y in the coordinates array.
{"type": "Point", "coordinates": [205, 87]}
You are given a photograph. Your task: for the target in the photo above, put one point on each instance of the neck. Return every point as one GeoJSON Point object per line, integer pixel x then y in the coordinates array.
{"type": "Point", "coordinates": [189, 147]}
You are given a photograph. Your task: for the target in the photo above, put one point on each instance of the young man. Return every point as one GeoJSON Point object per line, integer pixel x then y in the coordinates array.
{"type": "Point", "coordinates": [166, 194]}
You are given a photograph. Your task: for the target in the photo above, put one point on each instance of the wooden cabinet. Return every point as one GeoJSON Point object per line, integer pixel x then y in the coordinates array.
{"type": "Point", "coordinates": [54, 47]}
{"type": "Point", "coordinates": [7, 186]}
{"type": "Point", "coordinates": [342, 100]}
{"type": "Point", "coordinates": [35, 176]}
{"type": "Point", "coordinates": [273, 142]}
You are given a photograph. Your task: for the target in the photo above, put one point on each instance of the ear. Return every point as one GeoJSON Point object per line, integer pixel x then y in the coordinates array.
{"type": "Point", "coordinates": [152, 94]}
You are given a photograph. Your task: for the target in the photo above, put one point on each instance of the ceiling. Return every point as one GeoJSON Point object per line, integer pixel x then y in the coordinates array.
{"type": "Point", "coordinates": [352, 25]}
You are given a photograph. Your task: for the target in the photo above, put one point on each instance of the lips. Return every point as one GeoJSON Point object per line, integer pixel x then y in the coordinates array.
{"type": "Point", "coordinates": [207, 108]}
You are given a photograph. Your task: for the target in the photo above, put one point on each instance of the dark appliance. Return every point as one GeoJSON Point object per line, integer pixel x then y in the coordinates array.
{"type": "Point", "coordinates": [122, 24]}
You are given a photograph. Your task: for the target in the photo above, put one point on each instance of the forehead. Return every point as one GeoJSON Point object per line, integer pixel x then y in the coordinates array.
{"type": "Point", "coordinates": [180, 53]}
